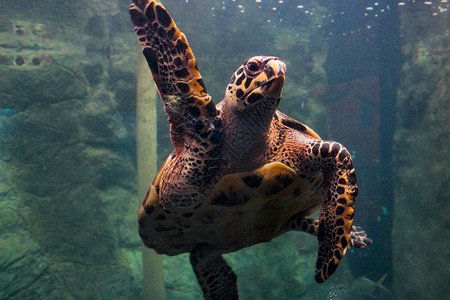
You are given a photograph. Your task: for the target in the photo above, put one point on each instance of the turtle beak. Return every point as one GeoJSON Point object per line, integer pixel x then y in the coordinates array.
{"type": "Point", "coordinates": [275, 71]}
{"type": "Point", "coordinates": [274, 87]}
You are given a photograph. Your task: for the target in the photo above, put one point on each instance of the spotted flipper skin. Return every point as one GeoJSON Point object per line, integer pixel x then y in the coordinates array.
{"type": "Point", "coordinates": [169, 56]}
{"type": "Point", "coordinates": [215, 276]}
{"type": "Point", "coordinates": [338, 199]}
{"type": "Point", "coordinates": [191, 113]}
{"type": "Point", "coordinates": [358, 236]}
{"type": "Point", "coordinates": [174, 70]}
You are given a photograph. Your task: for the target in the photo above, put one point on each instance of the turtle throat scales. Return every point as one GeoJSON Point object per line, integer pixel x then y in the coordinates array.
{"type": "Point", "coordinates": [251, 100]}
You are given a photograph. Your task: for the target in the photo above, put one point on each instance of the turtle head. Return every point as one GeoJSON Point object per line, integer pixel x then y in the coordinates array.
{"type": "Point", "coordinates": [260, 79]}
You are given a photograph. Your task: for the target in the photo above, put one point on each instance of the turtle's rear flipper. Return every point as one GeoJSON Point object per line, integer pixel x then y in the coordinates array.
{"type": "Point", "coordinates": [358, 238]}
{"type": "Point", "coordinates": [214, 275]}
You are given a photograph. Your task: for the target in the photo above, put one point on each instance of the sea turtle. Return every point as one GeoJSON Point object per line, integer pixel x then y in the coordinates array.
{"type": "Point", "coordinates": [241, 172]}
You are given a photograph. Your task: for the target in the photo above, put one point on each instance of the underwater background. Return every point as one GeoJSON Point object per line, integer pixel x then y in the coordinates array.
{"type": "Point", "coordinates": [372, 75]}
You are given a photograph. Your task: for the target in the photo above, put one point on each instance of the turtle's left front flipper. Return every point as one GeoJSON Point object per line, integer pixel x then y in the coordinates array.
{"type": "Point", "coordinates": [338, 199]}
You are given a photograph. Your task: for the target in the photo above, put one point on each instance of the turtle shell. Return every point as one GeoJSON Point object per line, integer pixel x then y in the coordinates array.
{"type": "Point", "coordinates": [242, 209]}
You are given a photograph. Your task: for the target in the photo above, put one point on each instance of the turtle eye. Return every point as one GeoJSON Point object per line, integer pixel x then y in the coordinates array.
{"type": "Point", "coordinates": [253, 66]}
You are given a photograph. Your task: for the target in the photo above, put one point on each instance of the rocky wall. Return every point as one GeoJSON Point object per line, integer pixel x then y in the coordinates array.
{"type": "Point", "coordinates": [422, 160]}
{"type": "Point", "coordinates": [67, 165]}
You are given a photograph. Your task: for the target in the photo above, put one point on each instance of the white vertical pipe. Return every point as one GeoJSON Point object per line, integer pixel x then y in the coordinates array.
{"type": "Point", "coordinates": [146, 167]}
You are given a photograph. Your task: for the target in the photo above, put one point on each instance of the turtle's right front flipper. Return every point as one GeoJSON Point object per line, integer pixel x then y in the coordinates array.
{"type": "Point", "coordinates": [189, 108]}
{"type": "Point", "coordinates": [170, 59]}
